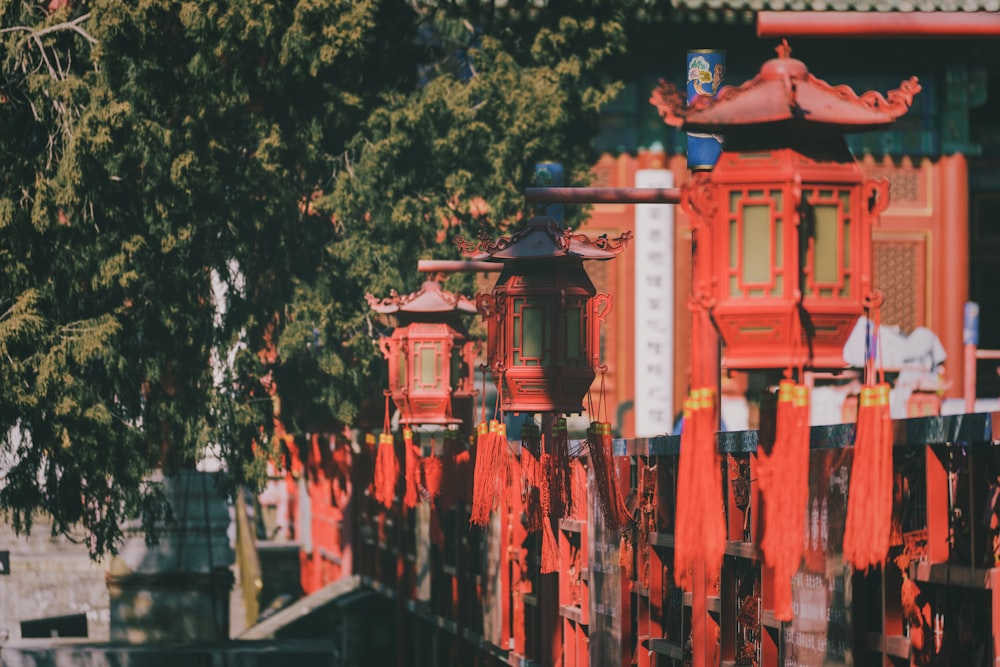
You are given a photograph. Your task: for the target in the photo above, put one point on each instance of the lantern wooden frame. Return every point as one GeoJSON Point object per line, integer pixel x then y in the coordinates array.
{"type": "Point", "coordinates": [790, 254]}
{"type": "Point", "coordinates": [431, 358]}
{"type": "Point", "coordinates": [544, 315]}
{"type": "Point", "coordinates": [783, 221]}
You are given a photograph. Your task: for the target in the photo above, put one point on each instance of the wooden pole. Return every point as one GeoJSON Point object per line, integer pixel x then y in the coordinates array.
{"type": "Point", "coordinates": [553, 195]}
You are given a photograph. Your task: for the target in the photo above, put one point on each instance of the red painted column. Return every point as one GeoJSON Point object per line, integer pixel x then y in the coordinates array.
{"type": "Point", "coordinates": [951, 264]}
{"type": "Point", "coordinates": [705, 372]}
{"type": "Point", "coordinates": [938, 528]}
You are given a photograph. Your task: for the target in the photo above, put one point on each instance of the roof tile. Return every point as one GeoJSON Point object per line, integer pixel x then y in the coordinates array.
{"type": "Point", "coordinates": [843, 5]}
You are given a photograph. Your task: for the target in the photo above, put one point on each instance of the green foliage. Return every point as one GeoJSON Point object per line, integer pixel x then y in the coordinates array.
{"type": "Point", "coordinates": [186, 185]}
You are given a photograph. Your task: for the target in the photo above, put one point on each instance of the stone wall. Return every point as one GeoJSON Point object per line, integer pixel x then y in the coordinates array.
{"type": "Point", "coordinates": [50, 576]}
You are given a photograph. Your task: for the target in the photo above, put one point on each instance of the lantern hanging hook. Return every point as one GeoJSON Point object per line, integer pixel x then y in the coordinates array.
{"type": "Point", "coordinates": [873, 357]}
{"type": "Point", "coordinates": [386, 423]}
{"type": "Point", "coordinates": [498, 408]}
{"type": "Point", "coordinates": [602, 405]}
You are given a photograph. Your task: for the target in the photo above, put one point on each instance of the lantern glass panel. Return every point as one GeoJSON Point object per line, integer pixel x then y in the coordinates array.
{"type": "Point", "coordinates": [779, 251]}
{"type": "Point", "coordinates": [756, 246]}
{"type": "Point", "coordinates": [779, 237]}
{"type": "Point", "coordinates": [845, 208]}
{"type": "Point", "coordinates": [530, 332]}
{"type": "Point", "coordinates": [826, 268]}
{"type": "Point", "coordinates": [457, 365]}
{"type": "Point", "coordinates": [574, 332]}
{"type": "Point", "coordinates": [401, 361]}
{"type": "Point", "coordinates": [425, 372]}
{"type": "Point", "coordinates": [734, 244]}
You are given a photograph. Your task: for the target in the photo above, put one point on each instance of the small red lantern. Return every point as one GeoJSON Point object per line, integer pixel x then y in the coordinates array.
{"type": "Point", "coordinates": [783, 222]}
{"type": "Point", "coordinates": [544, 315]}
{"type": "Point", "coordinates": [430, 354]}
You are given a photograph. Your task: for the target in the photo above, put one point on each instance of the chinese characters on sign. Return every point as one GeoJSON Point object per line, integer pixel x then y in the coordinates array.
{"type": "Point", "coordinates": [654, 309]}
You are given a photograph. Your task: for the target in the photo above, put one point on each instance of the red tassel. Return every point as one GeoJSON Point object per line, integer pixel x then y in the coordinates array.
{"type": "Point", "coordinates": [784, 482]}
{"type": "Point", "coordinates": [412, 496]}
{"type": "Point", "coordinates": [386, 470]}
{"type": "Point", "coordinates": [550, 549]}
{"type": "Point", "coordinates": [433, 470]}
{"type": "Point", "coordinates": [700, 523]}
{"type": "Point", "coordinates": [531, 486]}
{"type": "Point", "coordinates": [547, 468]}
{"type": "Point", "coordinates": [609, 497]}
{"type": "Point", "coordinates": [869, 499]}
{"type": "Point", "coordinates": [560, 475]}
{"type": "Point", "coordinates": [492, 471]}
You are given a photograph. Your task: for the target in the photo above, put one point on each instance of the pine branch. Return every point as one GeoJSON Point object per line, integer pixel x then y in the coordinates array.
{"type": "Point", "coordinates": [73, 25]}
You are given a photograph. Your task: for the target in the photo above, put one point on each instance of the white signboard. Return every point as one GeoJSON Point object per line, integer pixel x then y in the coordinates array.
{"type": "Point", "coordinates": [654, 309]}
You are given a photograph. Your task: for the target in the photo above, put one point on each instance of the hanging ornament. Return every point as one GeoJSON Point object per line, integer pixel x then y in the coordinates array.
{"type": "Point", "coordinates": [531, 479]}
{"type": "Point", "coordinates": [784, 483]}
{"type": "Point", "coordinates": [701, 530]}
{"type": "Point", "coordinates": [609, 496]}
{"type": "Point", "coordinates": [386, 463]}
{"type": "Point", "coordinates": [869, 500]}
{"type": "Point", "coordinates": [432, 469]}
{"type": "Point", "coordinates": [492, 470]}
{"type": "Point", "coordinates": [412, 495]}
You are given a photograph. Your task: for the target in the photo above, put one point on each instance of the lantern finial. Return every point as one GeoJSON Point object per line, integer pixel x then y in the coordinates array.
{"type": "Point", "coordinates": [783, 49]}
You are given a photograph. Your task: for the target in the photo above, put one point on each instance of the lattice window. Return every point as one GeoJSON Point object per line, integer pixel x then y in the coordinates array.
{"type": "Point", "coordinates": [898, 273]}
{"type": "Point", "coordinates": [904, 187]}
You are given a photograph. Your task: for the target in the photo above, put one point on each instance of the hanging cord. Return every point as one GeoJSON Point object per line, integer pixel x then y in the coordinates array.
{"type": "Point", "coordinates": [498, 408]}
{"type": "Point", "coordinates": [590, 401]}
{"type": "Point", "coordinates": [386, 463]}
{"type": "Point", "coordinates": [873, 349]}
{"type": "Point", "coordinates": [869, 502]}
{"type": "Point", "coordinates": [492, 468]}
{"type": "Point", "coordinates": [602, 404]}
{"type": "Point", "coordinates": [482, 402]}
{"type": "Point", "coordinates": [878, 347]}
{"type": "Point", "coordinates": [797, 346]}
{"type": "Point", "coordinates": [386, 422]}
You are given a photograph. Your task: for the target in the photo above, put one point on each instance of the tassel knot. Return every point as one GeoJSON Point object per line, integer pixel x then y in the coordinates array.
{"type": "Point", "coordinates": [386, 470]}
{"type": "Point", "coordinates": [492, 470]}
{"type": "Point", "coordinates": [701, 530]}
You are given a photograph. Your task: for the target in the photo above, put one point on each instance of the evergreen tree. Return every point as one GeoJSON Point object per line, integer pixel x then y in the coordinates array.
{"type": "Point", "coordinates": [195, 196]}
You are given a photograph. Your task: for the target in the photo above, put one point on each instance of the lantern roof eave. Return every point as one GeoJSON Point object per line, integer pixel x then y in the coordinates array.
{"type": "Point", "coordinates": [544, 238]}
{"type": "Point", "coordinates": [429, 298]}
{"type": "Point", "coordinates": [785, 92]}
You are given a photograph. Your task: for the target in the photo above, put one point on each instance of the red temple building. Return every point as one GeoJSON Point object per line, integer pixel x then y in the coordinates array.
{"type": "Point", "coordinates": [447, 593]}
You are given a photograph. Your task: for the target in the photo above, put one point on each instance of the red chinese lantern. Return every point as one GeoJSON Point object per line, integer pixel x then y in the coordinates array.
{"type": "Point", "coordinates": [784, 219]}
{"type": "Point", "coordinates": [544, 315]}
{"type": "Point", "coordinates": [430, 355]}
